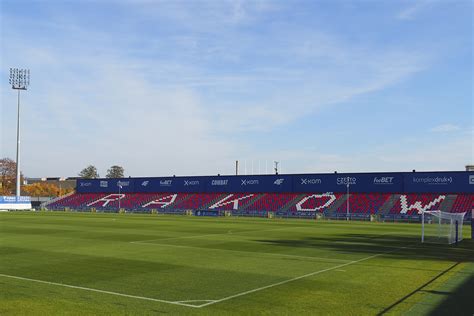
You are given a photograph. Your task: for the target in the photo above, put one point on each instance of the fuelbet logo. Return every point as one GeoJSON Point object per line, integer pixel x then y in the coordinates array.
{"type": "Point", "coordinates": [278, 181]}
{"type": "Point", "coordinates": [249, 182]}
{"type": "Point", "coordinates": [145, 183]}
{"type": "Point", "coordinates": [104, 184]}
{"type": "Point", "coordinates": [310, 181]}
{"type": "Point", "coordinates": [471, 179]}
{"type": "Point", "coordinates": [165, 183]}
{"type": "Point", "coordinates": [383, 180]}
{"type": "Point", "coordinates": [219, 182]}
{"type": "Point", "coordinates": [191, 182]}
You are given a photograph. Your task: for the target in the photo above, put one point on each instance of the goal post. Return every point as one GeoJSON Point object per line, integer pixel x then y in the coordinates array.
{"type": "Point", "coordinates": [472, 224]}
{"type": "Point", "coordinates": [441, 227]}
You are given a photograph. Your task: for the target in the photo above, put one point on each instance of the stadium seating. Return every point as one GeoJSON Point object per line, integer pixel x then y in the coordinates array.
{"type": "Point", "coordinates": [195, 201]}
{"type": "Point", "coordinates": [271, 202]}
{"type": "Point", "coordinates": [315, 202]}
{"type": "Point", "coordinates": [364, 203]}
{"type": "Point", "coordinates": [412, 204]}
{"type": "Point", "coordinates": [259, 204]}
{"type": "Point", "coordinates": [463, 203]}
{"type": "Point", "coordinates": [76, 201]}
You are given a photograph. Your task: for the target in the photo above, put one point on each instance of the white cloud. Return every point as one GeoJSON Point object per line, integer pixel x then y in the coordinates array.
{"type": "Point", "coordinates": [416, 6]}
{"type": "Point", "coordinates": [445, 128]}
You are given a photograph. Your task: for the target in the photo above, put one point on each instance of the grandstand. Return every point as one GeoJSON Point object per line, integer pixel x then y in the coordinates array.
{"type": "Point", "coordinates": [391, 196]}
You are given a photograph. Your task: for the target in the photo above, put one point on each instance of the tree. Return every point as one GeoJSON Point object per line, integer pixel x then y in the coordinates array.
{"type": "Point", "coordinates": [115, 172]}
{"type": "Point", "coordinates": [89, 172]}
{"type": "Point", "coordinates": [45, 189]}
{"type": "Point", "coordinates": [8, 176]}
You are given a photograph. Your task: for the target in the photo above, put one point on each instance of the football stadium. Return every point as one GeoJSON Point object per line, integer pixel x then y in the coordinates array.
{"type": "Point", "coordinates": [361, 243]}
{"type": "Point", "coordinates": [236, 157]}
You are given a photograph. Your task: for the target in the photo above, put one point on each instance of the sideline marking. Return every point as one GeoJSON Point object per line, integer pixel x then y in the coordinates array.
{"type": "Point", "coordinates": [100, 291]}
{"type": "Point", "coordinates": [297, 278]}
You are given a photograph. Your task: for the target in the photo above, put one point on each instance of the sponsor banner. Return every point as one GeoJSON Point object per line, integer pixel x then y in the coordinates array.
{"type": "Point", "coordinates": [254, 184]}
{"type": "Point", "coordinates": [105, 185]}
{"type": "Point", "coordinates": [206, 213]}
{"type": "Point", "coordinates": [268, 183]}
{"type": "Point", "coordinates": [170, 184]}
{"type": "Point", "coordinates": [211, 184]}
{"type": "Point", "coordinates": [368, 182]}
{"type": "Point", "coordinates": [220, 184]}
{"type": "Point", "coordinates": [440, 182]}
{"type": "Point", "coordinates": [14, 199]}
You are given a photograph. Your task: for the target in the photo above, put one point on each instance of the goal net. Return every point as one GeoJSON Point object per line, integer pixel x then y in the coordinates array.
{"type": "Point", "coordinates": [441, 227]}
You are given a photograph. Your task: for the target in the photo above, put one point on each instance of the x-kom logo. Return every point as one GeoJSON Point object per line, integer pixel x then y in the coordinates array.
{"type": "Point", "coordinates": [310, 181]}
{"type": "Point", "coordinates": [249, 182]}
{"type": "Point", "coordinates": [191, 182]}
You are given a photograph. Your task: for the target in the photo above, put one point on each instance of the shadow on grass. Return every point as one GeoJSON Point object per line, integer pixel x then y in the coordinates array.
{"type": "Point", "coordinates": [418, 289]}
{"type": "Point", "coordinates": [458, 302]}
{"type": "Point", "coordinates": [394, 246]}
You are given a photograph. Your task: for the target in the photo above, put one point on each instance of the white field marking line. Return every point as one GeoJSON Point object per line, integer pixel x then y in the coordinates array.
{"type": "Point", "coordinates": [206, 235]}
{"type": "Point", "coordinates": [100, 291]}
{"type": "Point", "coordinates": [190, 301]}
{"type": "Point", "coordinates": [237, 234]}
{"type": "Point", "coordinates": [242, 251]}
{"type": "Point", "coordinates": [181, 237]}
{"type": "Point", "coordinates": [298, 278]}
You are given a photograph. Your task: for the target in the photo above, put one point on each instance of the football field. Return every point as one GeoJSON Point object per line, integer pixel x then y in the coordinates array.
{"type": "Point", "coordinates": [54, 263]}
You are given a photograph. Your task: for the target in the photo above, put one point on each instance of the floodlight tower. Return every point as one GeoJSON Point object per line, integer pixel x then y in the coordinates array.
{"type": "Point", "coordinates": [20, 80]}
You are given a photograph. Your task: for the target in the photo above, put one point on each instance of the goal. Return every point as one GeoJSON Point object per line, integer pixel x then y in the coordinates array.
{"type": "Point", "coordinates": [441, 227]}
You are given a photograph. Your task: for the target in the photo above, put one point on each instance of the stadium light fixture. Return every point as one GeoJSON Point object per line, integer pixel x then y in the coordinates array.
{"type": "Point", "coordinates": [276, 166]}
{"type": "Point", "coordinates": [19, 80]}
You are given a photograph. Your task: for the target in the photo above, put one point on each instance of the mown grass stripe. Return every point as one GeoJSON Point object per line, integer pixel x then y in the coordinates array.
{"type": "Point", "coordinates": [298, 278]}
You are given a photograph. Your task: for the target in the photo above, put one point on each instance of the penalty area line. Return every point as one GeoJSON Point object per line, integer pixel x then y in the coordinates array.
{"type": "Point", "coordinates": [180, 303]}
{"type": "Point", "coordinates": [298, 278]}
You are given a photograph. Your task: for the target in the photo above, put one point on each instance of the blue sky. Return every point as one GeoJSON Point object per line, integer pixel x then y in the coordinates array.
{"type": "Point", "coordinates": [188, 87]}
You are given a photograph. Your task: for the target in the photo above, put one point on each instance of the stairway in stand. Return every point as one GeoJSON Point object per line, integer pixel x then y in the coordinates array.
{"type": "Point", "coordinates": [331, 211]}
{"type": "Point", "coordinates": [389, 204]}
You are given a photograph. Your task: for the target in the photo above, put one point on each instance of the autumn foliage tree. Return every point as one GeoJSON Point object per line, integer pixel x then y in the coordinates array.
{"type": "Point", "coordinates": [8, 176]}
{"type": "Point", "coordinates": [44, 189]}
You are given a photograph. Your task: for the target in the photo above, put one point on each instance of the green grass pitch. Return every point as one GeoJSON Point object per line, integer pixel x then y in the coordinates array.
{"type": "Point", "coordinates": [123, 264]}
